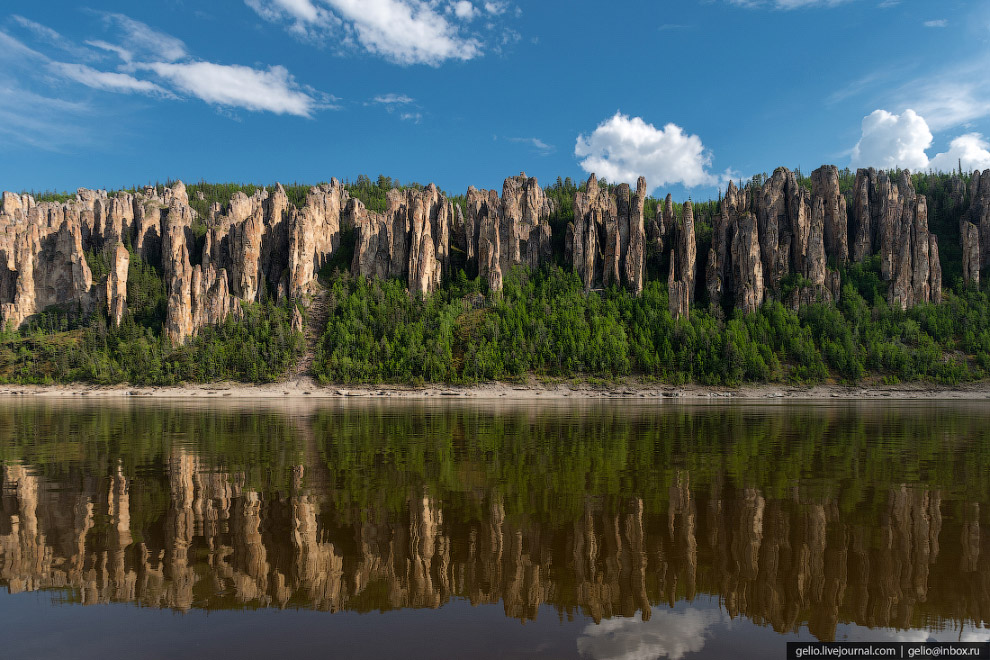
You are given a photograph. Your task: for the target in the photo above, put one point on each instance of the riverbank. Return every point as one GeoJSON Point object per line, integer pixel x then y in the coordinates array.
{"type": "Point", "coordinates": [628, 389]}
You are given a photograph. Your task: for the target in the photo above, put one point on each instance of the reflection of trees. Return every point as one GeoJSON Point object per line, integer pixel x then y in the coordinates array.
{"type": "Point", "coordinates": [652, 510]}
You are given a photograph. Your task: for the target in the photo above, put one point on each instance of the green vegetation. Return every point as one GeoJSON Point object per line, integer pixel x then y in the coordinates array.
{"type": "Point", "coordinates": [63, 345]}
{"type": "Point", "coordinates": [544, 323]}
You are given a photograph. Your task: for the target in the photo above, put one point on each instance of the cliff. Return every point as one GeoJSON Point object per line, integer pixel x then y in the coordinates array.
{"type": "Point", "coordinates": [779, 239]}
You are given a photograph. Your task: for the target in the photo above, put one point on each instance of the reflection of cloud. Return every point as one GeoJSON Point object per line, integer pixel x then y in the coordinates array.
{"type": "Point", "coordinates": [667, 634]}
{"type": "Point", "coordinates": [854, 633]}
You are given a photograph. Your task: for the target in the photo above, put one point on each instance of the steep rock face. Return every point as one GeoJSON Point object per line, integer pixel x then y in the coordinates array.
{"type": "Point", "coordinates": [314, 235]}
{"type": "Point", "coordinates": [42, 261]}
{"type": "Point", "coordinates": [178, 273]}
{"type": "Point", "coordinates": [115, 288]}
{"type": "Point", "coordinates": [411, 241]}
{"type": "Point", "coordinates": [825, 190]}
{"type": "Point", "coordinates": [889, 219]}
{"type": "Point", "coordinates": [607, 240]}
{"type": "Point", "coordinates": [970, 236]}
{"type": "Point", "coordinates": [746, 264]}
{"type": "Point", "coordinates": [503, 232]}
{"type": "Point", "coordinates": [794, 229]}
{"type": "Point", "coordinates": [979, 212]}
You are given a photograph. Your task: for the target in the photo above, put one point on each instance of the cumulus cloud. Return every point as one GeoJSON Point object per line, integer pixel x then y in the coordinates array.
{"type": "Point", "coordinates": [890, 141]}
{"type": "Point", "coordinates": [624, 148]}
{"type": "Point", "coordinates": [971, 150]}
{"type": "Point", "coordinates": [667, 634]}
{"type": "Point", "coordinates": [272, 90]}
{"type": "Point", "coordinates": [464, 10]}
{"type": "Point", "coordinates": [403, 31]}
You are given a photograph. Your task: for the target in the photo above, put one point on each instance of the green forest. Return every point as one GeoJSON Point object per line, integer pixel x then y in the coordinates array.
{"type": "Point", "coordinates": [542, 324]}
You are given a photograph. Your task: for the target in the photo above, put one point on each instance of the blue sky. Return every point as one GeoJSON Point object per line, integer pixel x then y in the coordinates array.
{"type": "Point", "coordinates": [467, 92]}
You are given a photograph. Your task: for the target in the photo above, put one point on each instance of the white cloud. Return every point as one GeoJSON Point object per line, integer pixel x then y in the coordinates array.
{"type": "Point", "coordinates": [538, 145]}
{"type": "Point", "coordinates": [954, 95]}
{"type": "Point", "coordinates": [403, 31]}
{"type": "Point", "coordinates": [272, 90]}
{"type": "Point", "coordinates": [971, 150]}
{"type": "Point", "coordinates": [414, 117]}
{"type": "Point", "coordinates": [667, 634]}
{"type": "Point", "coordinates": [892, 141]}
{"type": "Point", "coordinates": [495, 8]}
{"type": "Point", "coordinates": [106, 80]}
{"type": "Point", "coordinates": [940, 23]}
{"type": "Point", "coordinates": [787, 4]}
{"type": "Point", "coordinates": [464, 10]}
{"type": "Point", "coordinates": [623, 148]}
{"type": "Point", "coordinates": [143, 49]}
{"type": "Point", "coordinates": [140, 41]}
{"type": "Point", "coordinates": [393, 99]}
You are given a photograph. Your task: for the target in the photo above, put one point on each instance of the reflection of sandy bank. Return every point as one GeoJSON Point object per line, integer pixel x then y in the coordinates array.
{"type": "Point", "coordinates": [306, 388]}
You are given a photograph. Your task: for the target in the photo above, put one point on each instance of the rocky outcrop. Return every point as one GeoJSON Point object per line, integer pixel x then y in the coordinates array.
{"type": "Point", "coordinates": [746, 264]}
{"type": "Point", "coordinates": [606, 243]}
{"type": "Point", "coordinates": [683, 258]}
{"type": "Point", "coordinates": [979, 212]}
{"type": "Point", "coordinates": [503, 232]}
{"type": "Point", "coordinates": [115, 288]}
{"type": "Point", "coordinates": [774, 240]}
{"type": "Point", "coordinates": [970, 236]}
{"type": "Point", "coordinates": [42, 261]}
{"type": "Point", "coordinates": [890, 220]}
{"type": "Point", "coordinates": [314, 235]}
{"type": "Point", "coordinates": [411, 241]}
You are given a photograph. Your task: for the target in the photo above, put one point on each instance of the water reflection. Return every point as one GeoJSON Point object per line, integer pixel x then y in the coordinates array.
{"type": "Point", "coordinates": [821, 517]}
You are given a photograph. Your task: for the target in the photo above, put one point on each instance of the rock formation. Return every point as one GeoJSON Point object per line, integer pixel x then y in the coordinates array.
{"type": "Point", "coordinates": [503, 232]}
{"type": "Point", "coordinates": [683, 257]}
{"type": "Point", "coordinates": [970, 236]}
{"type": "Point", "coordinates": [979, 216]}
{"type": "Point", "coordinates": [411, 241]}
{"type": "Point", "coordinates": [774, 240]}
{"type": "Point", "coordinates": [889, 219]}
{"type": "Point", "coordinates": [606, 243]}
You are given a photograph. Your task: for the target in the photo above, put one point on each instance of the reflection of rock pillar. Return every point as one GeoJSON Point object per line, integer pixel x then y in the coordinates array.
{"type": "Point", "coordinates": [635, 557]}
{"type": "Point", "coordinates": [746, 542]}
{"type": "Point", "coordinates": [254, 556]}
{"type": "Point", "coordinates": [970, 558]}
{"type": "Point", "coordinates": [318, 568]}
{"type": "Point", "coordinates": [24, 550]}
{"type": "Point", "coordinates": [120, 513]}
{"type": "Point", "coordinates": [180, 526]}
{"type": "Point", "coordinates": [424, 531]}
{"type": "Point", "coordinates": [682, 505]}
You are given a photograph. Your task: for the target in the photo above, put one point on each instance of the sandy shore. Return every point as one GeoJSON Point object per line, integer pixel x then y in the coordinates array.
{"type": "Point", "coordinates": [630, 389]}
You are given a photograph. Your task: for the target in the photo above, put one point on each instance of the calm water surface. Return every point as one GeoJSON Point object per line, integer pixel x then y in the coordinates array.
{"type": "Point", "coordinates": [382, 529]}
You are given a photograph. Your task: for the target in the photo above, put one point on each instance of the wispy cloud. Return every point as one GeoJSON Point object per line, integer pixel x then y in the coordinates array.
{"type": "Point", "coordinates": [393, 99]}
{"type": "Point", "coordinates": [787, 4]}
{"type": "Point", "coordinates": [271, 90]}
{"type": "Point", "coordinates": [402, 31]}
{"type": "Point", "coordinates": [157, 64]}
{"type": "Point", "coordinates": [414, 117]}
{"type": "Point", "coordinates": [938, 23]}
{"type": "Point", "coordinates": [537, 145]}
{"type": "Point", "coordinates": [667, 27]}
